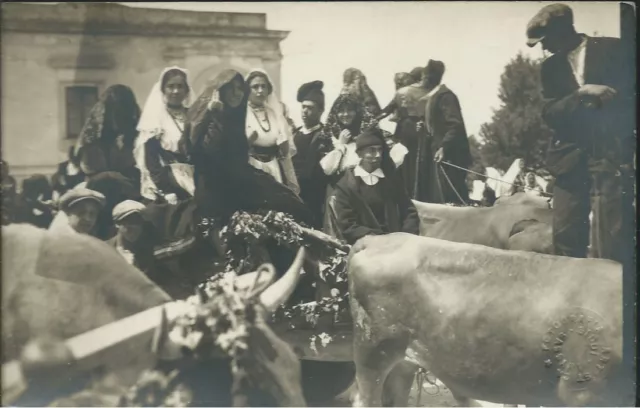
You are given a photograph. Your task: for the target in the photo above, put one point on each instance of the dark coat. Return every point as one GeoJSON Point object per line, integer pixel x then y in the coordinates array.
{"type": "Point", "coordinates": [355, 218]}
{"type": "Point", "coordinates": [443, 118]}
{"type": "Point", "coordinates": [584, 131]}
{"type": "Point", "coordinates": [311, 148]}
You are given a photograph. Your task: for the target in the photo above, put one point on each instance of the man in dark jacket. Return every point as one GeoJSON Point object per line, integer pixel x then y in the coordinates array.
{"type": "Point", "coordinates": [448, 139]}
{"type": "Point", "coordinates": [312, 144]}
{"type": "Point", "coordinates": [589, 103]}
{"type": "Point", "coordinates": [371, 198]}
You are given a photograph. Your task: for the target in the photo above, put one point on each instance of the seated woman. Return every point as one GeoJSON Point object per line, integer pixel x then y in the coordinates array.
{"type": "Point", "coordinates": [269, 132]}
{"type": "Point", "coordinates": [165, 175]}
{"type": "Point", "coordinates": [216, 141]}
{"type": "Point", "coordinates": [371, 199]}
{"type": "Point", "coordinates": [346, 120]}
{"type": "Point", "coordinates": [106, 140]}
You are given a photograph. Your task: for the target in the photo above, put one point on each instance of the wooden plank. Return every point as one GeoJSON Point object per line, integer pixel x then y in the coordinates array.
{"type": "Point", "coordinates": [108, 345]}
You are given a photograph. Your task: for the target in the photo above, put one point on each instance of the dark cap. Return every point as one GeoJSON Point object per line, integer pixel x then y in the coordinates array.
{"type": "Point", "coordinates": [435, 68]}
{"type": "Point", "coordinates": [312, 91]}
{"type": "Point", "coordinates": [550, 17]}
{"type": "Point", "coordinates": [368, 138]}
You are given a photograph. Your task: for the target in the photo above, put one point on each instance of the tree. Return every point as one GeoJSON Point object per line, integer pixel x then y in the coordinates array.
{"type": "Point", "coordinates": [476, 161]}
{"type": "Point", "coordinates": [516, 129]}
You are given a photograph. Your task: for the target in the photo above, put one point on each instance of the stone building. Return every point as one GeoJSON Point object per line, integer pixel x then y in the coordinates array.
{"type": "Point", "coordinates": [57, 59]}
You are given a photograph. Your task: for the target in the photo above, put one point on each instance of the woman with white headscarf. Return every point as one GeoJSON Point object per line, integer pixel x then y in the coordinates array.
{"type": "Point", "coordinates": [268, 131]}
{"type": "Point", "coordinates": [165, 175]}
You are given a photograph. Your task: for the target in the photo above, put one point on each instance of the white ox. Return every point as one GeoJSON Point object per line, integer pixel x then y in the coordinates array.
{"type": "Point", "coordinates": [59, 285]}
{"type": "Point", "coordinates": [517, 222]}
{"type": "Point", "coordinates": [501, 326]}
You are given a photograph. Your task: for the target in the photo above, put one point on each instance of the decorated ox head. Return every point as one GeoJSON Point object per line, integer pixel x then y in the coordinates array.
{"type": "Point", "coordinates": [120, 313]}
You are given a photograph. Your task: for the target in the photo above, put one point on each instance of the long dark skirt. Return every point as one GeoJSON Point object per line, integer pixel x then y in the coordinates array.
{"type": "Point", "coordinates": [415, 169]}
{"type": "Point", "coordinates": [221, 191]}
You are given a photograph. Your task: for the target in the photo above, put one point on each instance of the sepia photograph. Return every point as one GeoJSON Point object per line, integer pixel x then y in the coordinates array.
{"type": "Point", "coordinates": [324, 204]}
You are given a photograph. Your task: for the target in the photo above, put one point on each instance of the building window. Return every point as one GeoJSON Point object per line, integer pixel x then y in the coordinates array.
{"type": "Point", "coordinates": [79, 101]}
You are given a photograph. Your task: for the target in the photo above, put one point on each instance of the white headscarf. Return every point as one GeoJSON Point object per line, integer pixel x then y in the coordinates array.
{"type": "Point", "coordinates": [157, 122]}
{"type": "Point", "coordinates": [279, 111]}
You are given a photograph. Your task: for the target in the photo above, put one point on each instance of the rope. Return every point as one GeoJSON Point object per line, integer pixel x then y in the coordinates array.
{"type": "Point", "coordinates": [451, 184]}
{"type": "Point", "coordinates": [493, 178]}
{"type": "Point", "coordinates": [422, 377]}
{"type": "Point", "coordinates": [419, 383]}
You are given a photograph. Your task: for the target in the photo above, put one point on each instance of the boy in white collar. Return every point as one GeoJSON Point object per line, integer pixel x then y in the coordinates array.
{"type": "Point", "coordinates": [371, 198]}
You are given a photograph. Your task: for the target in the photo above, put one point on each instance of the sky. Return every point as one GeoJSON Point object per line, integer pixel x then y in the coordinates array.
{"type": "Point", "coordinates": [474, 39]}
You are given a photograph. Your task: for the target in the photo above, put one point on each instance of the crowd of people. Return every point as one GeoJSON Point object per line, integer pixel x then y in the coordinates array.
{"type": "Point", "coordinates": [184, 158]}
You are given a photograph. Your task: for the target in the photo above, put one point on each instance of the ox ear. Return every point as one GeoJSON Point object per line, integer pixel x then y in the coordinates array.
{"type": "Point", "coordinates": [279, 292]}
{"type": "Point", "coordinates": [254, 283]}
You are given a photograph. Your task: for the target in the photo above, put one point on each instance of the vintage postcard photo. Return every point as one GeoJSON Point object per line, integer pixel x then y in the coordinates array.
{"type": "Point", "coordinates": [420, 203]}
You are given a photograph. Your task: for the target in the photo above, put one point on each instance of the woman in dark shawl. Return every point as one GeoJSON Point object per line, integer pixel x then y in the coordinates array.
{"type": "Point", "coordinates": [355, 84]}
{"type": "Point", "coordinates": [215, 140]}
{"type": "Point", "coordinates": [106, 140]}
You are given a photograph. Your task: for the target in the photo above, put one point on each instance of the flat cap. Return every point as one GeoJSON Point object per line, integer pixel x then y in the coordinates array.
{"type": "Point", "coordinates": [125, 209]}
{"type": "Point", "coordinates": [549, 17]}
{"type": "Point", "coordinates": [75, 195]}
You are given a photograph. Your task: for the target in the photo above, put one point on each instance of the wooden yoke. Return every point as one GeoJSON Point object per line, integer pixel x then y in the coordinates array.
{"type": "Point", "coordinates": [98, 347]}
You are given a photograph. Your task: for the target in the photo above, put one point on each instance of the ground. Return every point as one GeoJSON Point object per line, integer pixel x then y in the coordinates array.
{"type": "Point", "coordinates": [432, 396]}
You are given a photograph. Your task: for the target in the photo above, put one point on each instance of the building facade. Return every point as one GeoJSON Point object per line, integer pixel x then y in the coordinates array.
{"type": "Point", "coordinates": [57, 59]}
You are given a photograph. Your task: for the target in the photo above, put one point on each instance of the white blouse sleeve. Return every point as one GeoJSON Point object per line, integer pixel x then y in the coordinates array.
{"type": "Point", "coordinates": [331, 162]}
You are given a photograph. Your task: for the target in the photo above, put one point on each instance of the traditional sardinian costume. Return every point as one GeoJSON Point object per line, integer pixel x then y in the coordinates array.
{"type": "Point", "coordinates": [270, 124]}
{"type": "Point", "coordinates": [163, 167]}
{"type": "Point", "coordinates": [106, 141]}
{"type": "Point", "coordinates": [355, 84]}
{"type": "Point", "coordinates": [343, 156]}
{"type": "Point", "coordinates": [373, 203]}
{"type": "Point", "coordinates": [312, 145]}
{"type": "Point", "coordinates": [401, 79]}
{"type": "Point", "coordinates": [414, 167]}
{"type": "Point", "coordinates": [225, 181]}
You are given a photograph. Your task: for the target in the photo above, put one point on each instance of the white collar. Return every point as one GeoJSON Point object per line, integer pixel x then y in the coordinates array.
{"type": "Point", "coordinates": [434, 90]}
{"type": "Point", "coordinates": [370, 179]}
{"type": "Point", "coordinates": [306, 130]}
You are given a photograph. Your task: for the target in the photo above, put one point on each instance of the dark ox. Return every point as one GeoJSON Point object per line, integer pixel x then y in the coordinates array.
{"type": "Point", "coordinates": [502, 326]}
{"type": "Point", "coordinates": [56, 286]}
{"type": "Point", "coordinates": [519, 222]}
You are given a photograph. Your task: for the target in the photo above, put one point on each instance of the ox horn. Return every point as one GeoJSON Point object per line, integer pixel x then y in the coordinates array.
{"type": "Point", "coordinates": [279, 292]}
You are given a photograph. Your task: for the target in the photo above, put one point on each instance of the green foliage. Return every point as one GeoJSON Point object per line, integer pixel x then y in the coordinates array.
{"type": "Point", "coordinates": [516, 129]}
{"type": "Point", "coordinates": [477, 164]}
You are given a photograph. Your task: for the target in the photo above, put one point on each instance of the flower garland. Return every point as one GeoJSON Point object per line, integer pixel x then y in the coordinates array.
{"type": "Point", "coordinates": [218, 316]}
{"type": "Point", "coordinates": [248, 229]}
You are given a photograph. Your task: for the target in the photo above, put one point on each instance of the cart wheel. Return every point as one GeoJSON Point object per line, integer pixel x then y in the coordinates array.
{"type": "Point", "coordinates": [325, 380]}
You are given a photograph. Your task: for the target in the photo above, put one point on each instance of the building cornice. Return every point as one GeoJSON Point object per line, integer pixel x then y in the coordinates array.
{"type": "Point", "coordinates": [119, 20]}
